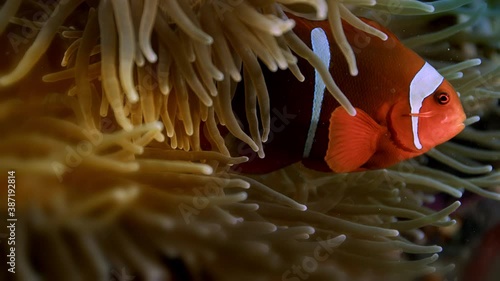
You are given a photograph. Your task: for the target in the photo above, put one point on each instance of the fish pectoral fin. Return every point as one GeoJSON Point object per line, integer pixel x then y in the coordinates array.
{"type": "Point", "coordinates": [352, 140]}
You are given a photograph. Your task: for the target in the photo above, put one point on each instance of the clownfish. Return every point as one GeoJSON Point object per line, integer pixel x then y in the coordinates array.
{"type": "Point", "coordinates": [404, 107]}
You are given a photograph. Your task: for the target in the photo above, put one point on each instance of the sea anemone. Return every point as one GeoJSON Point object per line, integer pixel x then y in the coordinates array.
{"type": "Point", "coordinates": [133, 192]}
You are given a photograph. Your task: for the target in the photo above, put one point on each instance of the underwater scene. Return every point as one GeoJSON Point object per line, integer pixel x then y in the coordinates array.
{"type": "Point", "coordinates": [281, 140]}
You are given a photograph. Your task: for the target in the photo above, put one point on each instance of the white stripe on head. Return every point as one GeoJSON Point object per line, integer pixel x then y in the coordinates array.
{"type": "Point", "coordinates": [320, 47]}
{"type": "Point", "coordinates": [425, 82]}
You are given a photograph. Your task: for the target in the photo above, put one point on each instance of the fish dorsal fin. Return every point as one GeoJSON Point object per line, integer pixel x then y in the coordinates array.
{"type": "Point", "coordinates": [352, 140]}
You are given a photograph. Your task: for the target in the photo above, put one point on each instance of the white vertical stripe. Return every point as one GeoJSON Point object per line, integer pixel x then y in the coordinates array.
{"type": "Point", "coordinates": [321, 48]}
{"type": "Point", "coordinates": [425, 82]}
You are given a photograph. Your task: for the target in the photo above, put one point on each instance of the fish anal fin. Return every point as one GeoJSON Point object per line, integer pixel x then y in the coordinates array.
{"type": "Point", "coordinates": [352, 140]}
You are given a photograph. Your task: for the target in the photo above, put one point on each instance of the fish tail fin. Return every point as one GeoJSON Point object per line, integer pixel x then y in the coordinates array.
{"type": "Point", "coordinates": [352, 140]}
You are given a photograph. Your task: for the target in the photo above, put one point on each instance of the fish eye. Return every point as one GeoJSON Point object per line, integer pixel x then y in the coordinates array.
{"type": "Point", "coordinates": [442, 98]}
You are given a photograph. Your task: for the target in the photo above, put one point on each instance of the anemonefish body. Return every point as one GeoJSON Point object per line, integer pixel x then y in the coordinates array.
{"type": "Point", "coordinates": [404, 106]}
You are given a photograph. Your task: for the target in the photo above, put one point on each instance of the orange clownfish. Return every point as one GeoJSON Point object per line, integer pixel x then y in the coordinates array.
{"type": "Point", "coordinates": [404, 106]}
